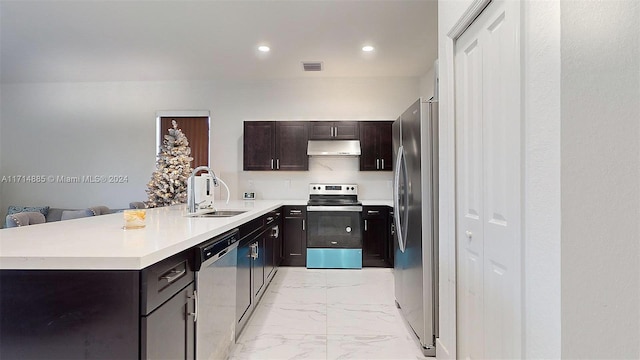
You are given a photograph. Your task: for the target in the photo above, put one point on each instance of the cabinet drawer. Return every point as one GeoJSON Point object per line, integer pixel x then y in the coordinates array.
{"type": "Point", "coordinates": [251, 227]}
{"type": "Point", "coordinates": [295, 211]}
{"type": "Point", "coordinates": [375, 212]}
{"type": "Point", "coordinates": [272, 216]}
{"type": "Point", "coordinates": [162, 280]}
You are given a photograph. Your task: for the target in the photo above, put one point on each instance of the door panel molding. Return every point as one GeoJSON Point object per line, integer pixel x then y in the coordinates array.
{"type": "Point", "coordinates": [488, 147]}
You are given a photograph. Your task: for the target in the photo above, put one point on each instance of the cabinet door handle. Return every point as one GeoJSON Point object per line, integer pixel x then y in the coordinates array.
{"type": "Point", "coordinates": [303, 222]}
{"type": "Point", "coordinates": [278, 164]}
{"type": "Point", "coordinates": [296, 211]}
{"type": "Point", "coordinates": [336, 135]}
{"type": "Point", "coordinates": [332, 132]}
{"type": "Point", "coordinates": [365, 224]}
{"type": "Point", "coordinates": [377, 164]}
{"type": "Point", "coordinates": [382, 164]}
{"type": "Point", "coordinates": [373, 212]}
{"type": "Point", "coordinates": [173, 275]}
{"type": "Point", "coordinates": [195, 306]}
{"type": "Point", "coordinates": [257, 251]}
{"type": "Point", "coordinates": [271, 164]}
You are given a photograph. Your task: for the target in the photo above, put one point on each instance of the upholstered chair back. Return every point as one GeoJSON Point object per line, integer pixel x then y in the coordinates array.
{"type": "Point", "coordinates": [24, 219]}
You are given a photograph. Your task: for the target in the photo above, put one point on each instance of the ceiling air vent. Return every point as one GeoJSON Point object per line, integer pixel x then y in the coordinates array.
{"type": "Point", "coordinates": [312, 65]}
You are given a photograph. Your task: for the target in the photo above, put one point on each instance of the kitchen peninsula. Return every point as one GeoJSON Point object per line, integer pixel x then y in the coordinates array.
{"type": "Point", "coordinates": [100, 243]}
{"type": "Point", "coordinates": [89, 289]}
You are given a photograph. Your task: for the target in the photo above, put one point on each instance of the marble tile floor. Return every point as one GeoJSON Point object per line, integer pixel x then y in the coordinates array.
{"type": "Point", "coordinates": [327, 314]}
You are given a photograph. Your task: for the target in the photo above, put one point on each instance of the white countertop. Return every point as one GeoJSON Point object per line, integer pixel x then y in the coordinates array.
{"type": "Point", "coordinates": [101, 243]}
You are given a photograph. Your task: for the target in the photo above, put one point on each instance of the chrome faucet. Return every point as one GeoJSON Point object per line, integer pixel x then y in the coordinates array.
{"type": "Point", "coordinates": [191, 195]}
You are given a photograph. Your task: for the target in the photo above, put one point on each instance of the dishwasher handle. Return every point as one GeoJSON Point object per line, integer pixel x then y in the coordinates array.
{"type": "Point", "coordinates": [217, 256]}
{"type": "Point", "coordinates": [210, 251]}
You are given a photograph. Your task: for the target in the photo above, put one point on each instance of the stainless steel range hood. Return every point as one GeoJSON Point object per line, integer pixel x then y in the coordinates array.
{"type": "Point", "coordinates": [334, 147]}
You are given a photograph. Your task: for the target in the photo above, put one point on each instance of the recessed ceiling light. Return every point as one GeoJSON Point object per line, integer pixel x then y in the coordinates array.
{"type": "Point", "coordinates": [368, 48]}
{"type": "Point", "coordinates": [264, 48]}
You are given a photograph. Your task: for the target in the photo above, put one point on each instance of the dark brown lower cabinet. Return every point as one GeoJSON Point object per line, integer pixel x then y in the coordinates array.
{"type": "Point", "coordinates": [257, 263]}
{"type": "Point", "coordinates": [375, 236]}
{"type": "Point", "coordinates": [257, 275]}
{"type": "Point", "coordinates": [294, 236]}
{"type": "Point", "coordinates": [244, 296]}
{"type": "Point", "coordinates": [273, 244]}
{"type": "Point", "coordinates": [99, 314]}
{"type": "Point", "coordinates": [63, 314]}
{"type": "Point", "coordinates": [169, 332]}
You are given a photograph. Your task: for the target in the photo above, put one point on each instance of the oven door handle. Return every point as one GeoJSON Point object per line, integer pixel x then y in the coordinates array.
{"type": "Point", "coordinates": [354, 208]}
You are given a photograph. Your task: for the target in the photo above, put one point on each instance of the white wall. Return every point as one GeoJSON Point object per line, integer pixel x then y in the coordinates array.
{"type": "Point", "coordinates": [427, 84]}
{"type": "Point", "coordinates": [76, 129]}
{"type": "Point", "coordinates": [600, 179]}
{"type": "Point", "coordinates": [541, 247]}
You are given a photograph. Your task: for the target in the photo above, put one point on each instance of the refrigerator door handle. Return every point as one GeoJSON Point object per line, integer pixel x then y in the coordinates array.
{"type": "Point", "coordinates": [396, 198]}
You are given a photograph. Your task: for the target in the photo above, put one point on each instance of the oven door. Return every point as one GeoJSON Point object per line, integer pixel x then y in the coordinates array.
{"type": "Point", "coordinates": [334, 227]}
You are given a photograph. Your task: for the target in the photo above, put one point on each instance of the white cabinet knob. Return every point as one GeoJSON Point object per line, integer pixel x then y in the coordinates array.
{"type": "Point", "coordinates": [469, 234]}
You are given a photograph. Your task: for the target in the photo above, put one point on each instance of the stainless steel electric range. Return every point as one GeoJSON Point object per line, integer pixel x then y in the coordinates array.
{"type": "Point", "coordinates": [334, 233]}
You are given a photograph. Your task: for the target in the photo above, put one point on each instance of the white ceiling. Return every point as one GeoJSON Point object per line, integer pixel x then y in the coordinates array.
{"type": "Point", "coordinates": [48, 41]}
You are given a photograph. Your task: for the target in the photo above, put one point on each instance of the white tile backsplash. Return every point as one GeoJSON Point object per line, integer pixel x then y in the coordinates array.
{"type": "Point", "coordinates": [285, 185]}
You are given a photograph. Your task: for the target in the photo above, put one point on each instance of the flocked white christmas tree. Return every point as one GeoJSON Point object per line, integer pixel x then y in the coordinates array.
{"type": "Point", "coordinates": [168, 185]}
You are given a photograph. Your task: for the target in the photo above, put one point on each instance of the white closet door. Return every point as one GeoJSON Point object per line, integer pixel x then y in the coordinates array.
{"type": "Point", "coordinates": [470, 195]}
{"type": "Point", "coordinates": [488, 142]}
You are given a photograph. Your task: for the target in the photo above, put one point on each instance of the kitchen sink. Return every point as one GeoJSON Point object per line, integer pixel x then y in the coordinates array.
{"type": "Point", "coordinates": [218, 213]}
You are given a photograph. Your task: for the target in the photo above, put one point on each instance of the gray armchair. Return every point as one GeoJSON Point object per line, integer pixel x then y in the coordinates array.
{"type": "Point", "coordinates": [24, 219]}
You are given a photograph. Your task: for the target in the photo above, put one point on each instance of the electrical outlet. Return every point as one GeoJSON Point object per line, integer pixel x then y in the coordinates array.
{"type": "Point", "coordinates": [249, 196]}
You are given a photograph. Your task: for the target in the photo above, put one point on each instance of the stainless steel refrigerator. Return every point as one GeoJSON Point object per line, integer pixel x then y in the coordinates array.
{"type": "Point", "coordinates": [415, 144]}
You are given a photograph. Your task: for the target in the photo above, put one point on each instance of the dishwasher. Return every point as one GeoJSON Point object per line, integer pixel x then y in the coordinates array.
{"type": "Point", "coordinates": [215, 265]}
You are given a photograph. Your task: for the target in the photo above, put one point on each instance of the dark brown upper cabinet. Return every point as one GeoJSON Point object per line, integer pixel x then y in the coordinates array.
{"type": "Point", "coordinates": [375, 143]}
{"type": "Point", "coordinates": [333, 130]}
{"type": "Point", "coordinates": [275, 145]}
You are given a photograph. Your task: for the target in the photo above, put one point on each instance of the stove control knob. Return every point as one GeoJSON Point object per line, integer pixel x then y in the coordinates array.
{"type": "Point", "coordinates": [348, 229]}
